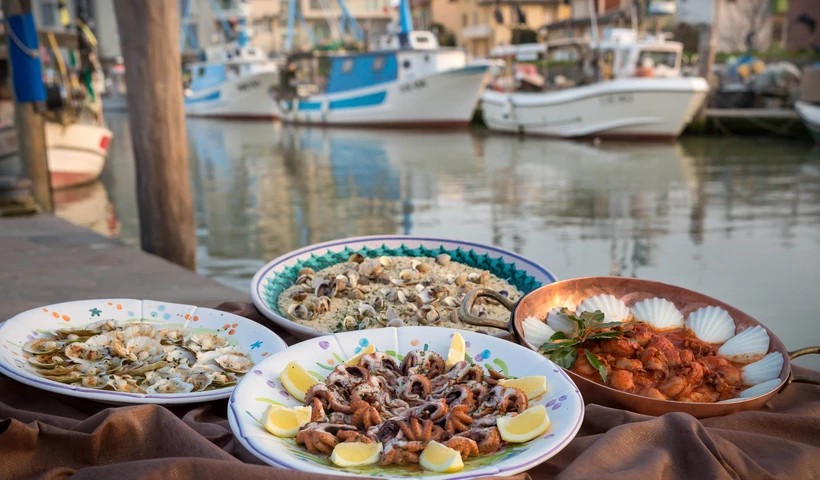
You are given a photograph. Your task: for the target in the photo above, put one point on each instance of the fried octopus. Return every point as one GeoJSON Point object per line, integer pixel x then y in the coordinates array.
{"type": "Point", "coordinates": [405, 406]}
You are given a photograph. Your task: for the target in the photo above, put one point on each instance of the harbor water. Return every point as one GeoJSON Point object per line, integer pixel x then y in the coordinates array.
{"type": "Point", "coordinates": [736, 218]}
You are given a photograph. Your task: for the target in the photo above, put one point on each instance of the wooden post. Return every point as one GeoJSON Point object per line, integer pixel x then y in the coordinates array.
{"type": "Point", "coordinates": [707, 47]}
{"type": "Point", "coordinates": [28, 90]}
{"type": "Point", "coordinates": [149, 37]}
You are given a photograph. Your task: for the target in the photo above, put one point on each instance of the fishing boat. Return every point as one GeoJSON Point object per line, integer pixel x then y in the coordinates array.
{"type": "Point", "coordinates": [114, 96]}
{"type": "Point", "coordinates": [76, 152]}
{"type": "Point", "coordinates": [627, 88]}
{"type": "Point", "coordinates": [405, 80]}
{"type": "Point", "coordinates": [232, 80]}
{"type": "Point", "coordinates": [810, 114]}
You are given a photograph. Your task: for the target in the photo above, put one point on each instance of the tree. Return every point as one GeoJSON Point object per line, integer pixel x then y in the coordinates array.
{"type": "Point", "coordinates": [748, 25]}
{"type": "Point", "coordinates": [521, 36]}
{"type": "Point", "coordinates": [445, 38]}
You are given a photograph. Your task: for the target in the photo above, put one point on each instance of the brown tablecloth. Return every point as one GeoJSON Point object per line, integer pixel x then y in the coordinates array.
{"type": "Point", "coordinates": [46, 435]}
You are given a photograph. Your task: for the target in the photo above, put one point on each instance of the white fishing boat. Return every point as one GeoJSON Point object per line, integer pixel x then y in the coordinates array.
{"type": "Point", "coordinates": [234, 80]}
{"type": "Point", "coordinates": [406, 80]}
{"type": "Point", "coordinates": [810, 114]}
{"type": "Point", "coordinates": [634, 90]}
{"type": "Point", "coordinates": [76, 153]}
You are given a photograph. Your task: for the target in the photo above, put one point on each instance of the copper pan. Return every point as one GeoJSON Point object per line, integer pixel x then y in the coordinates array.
{"type": "Point", "coordinates": [569, 293]}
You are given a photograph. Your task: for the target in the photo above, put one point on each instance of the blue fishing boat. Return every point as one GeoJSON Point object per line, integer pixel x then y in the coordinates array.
{"type": "Point", "coordinates": [231, 80]}
{"type": "Point", "coordinates": [406, 79]}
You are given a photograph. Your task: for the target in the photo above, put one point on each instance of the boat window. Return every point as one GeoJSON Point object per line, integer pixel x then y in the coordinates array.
{"type": "Point", "coordinates": [201, 72]}
{"type": "Point", "coordinates": [406, 64]}
{"type": "Point", "coordinates": [658, 58]}
{"type": "Point", "coordinates": [378, 63]}
{"type": "Point", "coordinates": [347, 65]}
{"type": "Point", "coordinates": [422, 39]}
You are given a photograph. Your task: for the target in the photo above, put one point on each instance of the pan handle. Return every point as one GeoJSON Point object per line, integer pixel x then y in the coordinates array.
{"type": "Point", "coordinates": [803, 378]}
{"type": "Point", "coordinates": [475, 294]}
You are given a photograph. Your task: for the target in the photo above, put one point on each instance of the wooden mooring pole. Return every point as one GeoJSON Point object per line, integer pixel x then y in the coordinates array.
{"type": "Point", "coordinates": [29, 95]}
{"type": "Point", "coordinates": [149, 37]}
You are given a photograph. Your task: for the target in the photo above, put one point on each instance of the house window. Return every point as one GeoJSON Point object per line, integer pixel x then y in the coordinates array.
{"type": "Point", "coordinates": [464, 20]}
{"type": "Point", "coordinates": [48, 14]}
{"type": "Point", "coordinates": [314, 5]}
{"type": "Point", "coordinates": [475, 18]}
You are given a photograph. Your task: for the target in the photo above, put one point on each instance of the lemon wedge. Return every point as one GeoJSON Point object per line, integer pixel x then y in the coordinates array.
{"type": "Point", "coordinates": [458, 349]}
{"type": "Point", "coordinates": [353, 454]}
{"type": "Point", "coordinates": [438, 458]}
{"type": "Point", "coordinates": [533, 387]}
{"type": "Point", "coordinates": [354, 360]}
{"type": "Point", "coordinates": [297, 380]}
{"type": "Point", "coordinates": [285, 422]}
{"type": "Point", "coordinates": [524, 427]}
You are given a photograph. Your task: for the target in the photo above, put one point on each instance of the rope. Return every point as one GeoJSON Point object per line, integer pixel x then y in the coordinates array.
{"type": "Point", "coordinates": [28, 51]}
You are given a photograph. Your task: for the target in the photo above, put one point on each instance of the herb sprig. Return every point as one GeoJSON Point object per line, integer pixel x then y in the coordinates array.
{"type": "Point", "coordinates": [563, 349]}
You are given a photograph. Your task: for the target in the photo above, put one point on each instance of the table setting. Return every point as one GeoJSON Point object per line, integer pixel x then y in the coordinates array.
{"type": "Point", "coordinates": [407, 357]}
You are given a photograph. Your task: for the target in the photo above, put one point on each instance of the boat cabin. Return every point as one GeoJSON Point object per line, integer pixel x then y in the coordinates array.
{"type": "Point", "coordinates": [573, 62]}
{"type": "Point", "coordinates": [224, 63]}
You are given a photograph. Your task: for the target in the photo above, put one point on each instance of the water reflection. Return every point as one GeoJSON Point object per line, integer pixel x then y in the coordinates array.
{"type": "Point", "coordinates": [736, 218]}
{"type": "Point", "coordinates": [88, 206]}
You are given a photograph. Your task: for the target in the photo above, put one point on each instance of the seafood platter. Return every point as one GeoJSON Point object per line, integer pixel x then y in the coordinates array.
{"type": "Point", "coordinates": [133, 351]}
{"type": "Point", "coordinates": [649, 347]}
{"type": "Point", "coordinates": [368, 283]}
{"type": "Point", "coordinates": [406, 402]}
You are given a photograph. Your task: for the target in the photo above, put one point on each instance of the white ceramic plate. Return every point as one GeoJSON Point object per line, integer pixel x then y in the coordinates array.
{"type": "Point", "coordinates": [253, 338]}
{"type": "Point", "coordinates": [279, 274]}
{"type": "Point", "coordinates": [320, 356]}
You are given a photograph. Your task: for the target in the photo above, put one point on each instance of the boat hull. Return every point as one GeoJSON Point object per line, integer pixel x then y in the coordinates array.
{"type": "Point", "coordinates": [76, 153]}
{"type": "Point", "coordinates": [810, 114]}
{"type": "Point", "coordinates": [444, 99]}
{"type": "Point", "coordinates": [245, 97]}
{"type": "Point", "coordinates": [643, 108]}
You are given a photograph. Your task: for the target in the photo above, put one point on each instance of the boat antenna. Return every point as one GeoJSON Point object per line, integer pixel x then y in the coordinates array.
{"type": "Point", "coordinates": [405, 23]}
{"type": "Point", "coordinates": [593, 17]}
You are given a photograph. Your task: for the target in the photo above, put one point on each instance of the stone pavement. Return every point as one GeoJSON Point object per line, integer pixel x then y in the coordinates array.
{"type": "Point", "coordinates": [45, 260]}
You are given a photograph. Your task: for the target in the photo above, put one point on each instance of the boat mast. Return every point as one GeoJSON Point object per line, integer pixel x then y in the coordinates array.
{"type": "Point", "coordinates": [291, 17]}
{"type": "Point", "coordinates": [405, 23]}
{"type": "Point", "coordinates": [348, 19]}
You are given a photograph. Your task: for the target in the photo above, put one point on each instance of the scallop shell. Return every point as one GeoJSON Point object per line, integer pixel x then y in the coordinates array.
{"type": "Point", "coordinates": [760, 389]}
{"type": "Point", "coordinates": [613, 308]}
{"type": "Point", "coordinates": [763, 370]}
{"type": "Point", "coordinates": [536, 332]}
{"type": "Point", "coordinates": [658, 312]}
{"type": "Point", "coordinates": [558, 322]}
{"type": "Point", "coordinates": [747, 346]}
{"type": "Point", "coordinates": [711, 324]}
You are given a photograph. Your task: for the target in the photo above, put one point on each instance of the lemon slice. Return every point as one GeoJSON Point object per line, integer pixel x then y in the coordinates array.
{"type": "Point", "coordinates": [353, 454]}
{"type": "Point", "coordinates": [458, 349]}
{"type": "Point", "coordinates": [438, 458]}
{"type": "Point", "coordinates": [524, 427]}
{"type": "Point", "coordinates": [285, 422]}
{"type": "Point", "coordinates": [532, 387]}
{"type": "Point", "coordinates": [297, 380]}
{"type": "Point", "coordinates": [353, 361]}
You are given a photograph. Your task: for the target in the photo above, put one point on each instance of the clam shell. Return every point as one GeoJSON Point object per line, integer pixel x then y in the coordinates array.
{"type": "Point", "coordinates": [614, 309]}
{"type": "Point", "coordinates": [760, 389]}
{"type": "Point", "coordinates": [711, 324]}
{"type": "Point", "coordinates": [42, 346]}
{"type": "Point", "coordinates": [536, 332]}
{"type": "Point", "coordinates": [658, 312]}
{"type": "Point", "coordinates": [763, 370]}
{"type": "Point", "coordinates": [747, 346]}
{"type": "Point", "coordinates": [558, 322]}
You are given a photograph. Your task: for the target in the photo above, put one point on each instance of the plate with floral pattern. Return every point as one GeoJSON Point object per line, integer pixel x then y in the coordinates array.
{"type": "Point", "coordinates": [262, 387]}
{"type": "Point", "coordinates": [251, 338]}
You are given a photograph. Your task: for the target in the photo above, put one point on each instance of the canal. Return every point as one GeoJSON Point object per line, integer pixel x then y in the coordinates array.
{"type": "Point", "coordinates": [736, 218]}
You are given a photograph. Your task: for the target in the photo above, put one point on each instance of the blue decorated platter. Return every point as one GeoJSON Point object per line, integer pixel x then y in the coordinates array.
{"type": "Point", "coordinates": [281, 273]}
{"type": "Point", "coordinates": [249, 337]}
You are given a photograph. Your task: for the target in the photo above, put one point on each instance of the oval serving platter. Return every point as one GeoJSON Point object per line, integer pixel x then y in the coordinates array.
{"type": "Point", "coordinates": [279, 274]}
{"type": "Point", "coordinates": [254, 339]}
{"type": "Point", "coordinates": [262, 387]}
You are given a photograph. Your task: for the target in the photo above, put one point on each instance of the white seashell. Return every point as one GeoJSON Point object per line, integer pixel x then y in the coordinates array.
{"type": "Point", "coordinates": [558, 322]}
{"type": "Point", "coordinates": [763, 370]}
{"type": "Point", "coordinates": [760, 389]}
{"type": "Point", "coordinates": [658, 312]}
{"type": "Point", "coordinates": [711, 324]}
{"type": "Point", "coordinates": [536, 332]}
{"type": "Point", "coordinates": [747, 346]}
{"type": "Point", "coordinates": [614, 309]}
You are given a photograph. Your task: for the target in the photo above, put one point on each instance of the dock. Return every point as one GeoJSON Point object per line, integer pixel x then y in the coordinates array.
{"type": "Point", "coordinates": [47, 260]}
{"type": "Point", "coordinates": [753, 121]}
